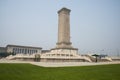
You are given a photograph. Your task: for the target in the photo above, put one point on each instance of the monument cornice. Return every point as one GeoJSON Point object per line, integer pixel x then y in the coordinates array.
{"type": "Point", "coordinates": [64, 48]}
{"type": "Point", "coordinates": [64, 10]}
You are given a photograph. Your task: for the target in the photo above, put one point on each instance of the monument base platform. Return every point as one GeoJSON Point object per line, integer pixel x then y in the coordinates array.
{"type": "Point", "coordinates": [64, 55]}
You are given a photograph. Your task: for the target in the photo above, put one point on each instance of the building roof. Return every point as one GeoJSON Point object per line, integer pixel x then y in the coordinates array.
{"type": "Point", "coordinates": [23, 46]}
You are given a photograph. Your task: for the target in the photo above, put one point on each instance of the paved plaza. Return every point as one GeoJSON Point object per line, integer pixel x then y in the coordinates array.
{"type": "Point", "coordinates": [59, 64]}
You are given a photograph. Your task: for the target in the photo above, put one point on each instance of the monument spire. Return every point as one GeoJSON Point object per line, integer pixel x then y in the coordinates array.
{"type": "Point", "coordinates": [64, 28]}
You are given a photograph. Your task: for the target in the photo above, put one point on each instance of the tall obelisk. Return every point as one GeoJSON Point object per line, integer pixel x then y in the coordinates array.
{"type": "Point", "coordinates": [64, 29]}
{"type": "Point", "coordinates": [63, 51]}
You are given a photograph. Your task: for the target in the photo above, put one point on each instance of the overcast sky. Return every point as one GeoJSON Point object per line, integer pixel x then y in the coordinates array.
{"type": "Point", "coordinates": [95, 24]}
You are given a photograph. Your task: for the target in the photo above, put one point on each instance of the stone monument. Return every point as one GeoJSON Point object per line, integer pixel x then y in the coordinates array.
{"type": "Point", "coordinates": [64, 30]}
{"type": "Point", "coordinates": [64, 47]}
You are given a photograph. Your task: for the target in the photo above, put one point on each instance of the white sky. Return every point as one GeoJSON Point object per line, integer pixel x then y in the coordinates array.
{"type": "Point", "coordinates": [95, 24]}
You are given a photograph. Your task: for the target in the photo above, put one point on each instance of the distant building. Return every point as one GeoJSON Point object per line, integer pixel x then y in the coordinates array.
{"type": "Point", "coordinates": [3, 52]}
{"type": "Point", "coordinates": [17, 49]}
{"type": "Point", "coordinates": [2, 49]}
{"type": "Point", "coordinates": [45, 51]}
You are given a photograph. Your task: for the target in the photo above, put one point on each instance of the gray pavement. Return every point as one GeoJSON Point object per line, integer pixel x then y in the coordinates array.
{"type": "Point", "coordinates": [59, 64]}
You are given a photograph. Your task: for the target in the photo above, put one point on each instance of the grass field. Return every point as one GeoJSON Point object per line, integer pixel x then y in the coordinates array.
{"type": "Point", "coordinates": [31, 72]}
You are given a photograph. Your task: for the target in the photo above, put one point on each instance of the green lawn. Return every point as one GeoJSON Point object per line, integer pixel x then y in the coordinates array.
{"type": "Point", "coordinates": [31, 72]}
